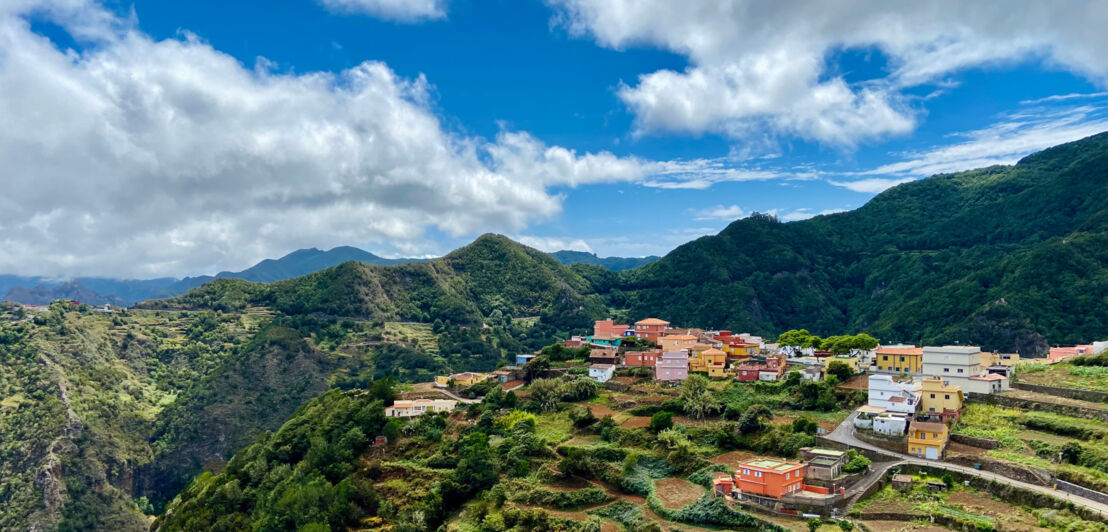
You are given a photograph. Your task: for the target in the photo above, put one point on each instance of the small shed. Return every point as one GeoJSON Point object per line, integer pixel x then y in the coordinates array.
{"type": "Point", "coordinates": [901, 482]}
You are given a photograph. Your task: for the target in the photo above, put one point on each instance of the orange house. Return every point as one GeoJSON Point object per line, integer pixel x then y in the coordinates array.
{"type": "Point", "coordinates": [651, 328]}
{"type": "Point", "coordinates": [673, 343]}
{"type": "Point", "coordinates": [770, 478]}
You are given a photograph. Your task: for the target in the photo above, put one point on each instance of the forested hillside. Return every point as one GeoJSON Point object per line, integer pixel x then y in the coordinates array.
{"type": "Point", "coordinates": [1009, 258]}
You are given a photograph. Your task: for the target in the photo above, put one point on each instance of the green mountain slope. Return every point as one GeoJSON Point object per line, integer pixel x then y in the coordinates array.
{"type": "Point", "coordinates": [491, 277]}
{"type": "Point", "coordinates": [614, 264]}
{"type": "Point", "coordinates": [1007, 257]}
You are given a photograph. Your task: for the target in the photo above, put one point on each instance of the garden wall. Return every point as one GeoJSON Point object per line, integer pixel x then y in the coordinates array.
{"type": "Point", "coordinates": [984, 443]}
{"type": "Point", "coordinates": [1082, 491]}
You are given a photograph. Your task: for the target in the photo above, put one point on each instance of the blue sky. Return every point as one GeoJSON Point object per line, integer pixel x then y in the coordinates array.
{"type": "Point", "coordinates": [567, 124]}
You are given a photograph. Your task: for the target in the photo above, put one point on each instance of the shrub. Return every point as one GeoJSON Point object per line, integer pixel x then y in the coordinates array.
{"type": "Point", "coordinates": [661, 421]}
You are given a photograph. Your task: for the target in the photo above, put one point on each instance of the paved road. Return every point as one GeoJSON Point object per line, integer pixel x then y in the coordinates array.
{"type": "Point", "coordinates": [844, 433]}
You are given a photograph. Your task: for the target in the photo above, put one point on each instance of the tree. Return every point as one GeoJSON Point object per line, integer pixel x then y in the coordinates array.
{"type": "Point", "coordinates": [546, 393]}
{"type": "Point", "coordinates": [840, 370]}
{"type": "Point", "coordinates": [947, 479]}
{"type": "Point", "coordinates": [535, 368]}
{"type": "Point", "coordinates": [753, 420]}
{"type": "Point", "coordinates": [814, 524]}
{"type": "Point", "coordinates": [661, 421]}
{"type": "Point", "coordinates": [698, 399]}
{"type": "Point", "coordinates": [1071, 452]}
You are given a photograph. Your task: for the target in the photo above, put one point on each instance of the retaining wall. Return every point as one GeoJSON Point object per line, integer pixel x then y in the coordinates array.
{"type": "Point", "coordinates": [1028, 404]}
{"type": "Point", "coordinates": [1069, 393]}
{"type": "Point", "coordinates": [1082, 491]}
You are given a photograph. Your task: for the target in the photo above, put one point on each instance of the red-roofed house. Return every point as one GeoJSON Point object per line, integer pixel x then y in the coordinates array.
{"type": "Point", "coordinates": [651, 328]}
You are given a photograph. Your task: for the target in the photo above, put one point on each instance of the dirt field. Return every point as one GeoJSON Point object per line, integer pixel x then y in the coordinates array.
{"type": "Point", "coordinates": [636, 422]}
{"type": "Point", "coordinates": [1008, 517]}
{"type": "Point", "coordinates": [900, 526]}
{"type": "Point", "coordinates": [860, 382]}
{"type": "Point", "coordinates": [732, 458]}
{"type": "Point", "coordinates": [961, 449]}
{"type": "Point", "coordinates": [1045, 398]}
{"type": "Point", "coordinates": [677, 493]}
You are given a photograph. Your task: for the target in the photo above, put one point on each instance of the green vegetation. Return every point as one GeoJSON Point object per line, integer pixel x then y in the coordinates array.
{"type": "Point", "coordinates": [1085, 372]}
{"type": "Point", "coordinates": [1002, 257]}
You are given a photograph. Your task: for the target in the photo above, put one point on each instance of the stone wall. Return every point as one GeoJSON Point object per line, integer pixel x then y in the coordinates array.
{"type": "Point", "coordinates": [1069, 393]}
{"type": "Point", "coordinates": [894, 444]}
{"type": "Point", "coordinates": [984, 443]}
{"type": "Point", "coordinates": [1082, 491]}
{"type": "Point", "coordinates": [1031, 475]}
{"type": "Point", "coordinates": [1028, 404]}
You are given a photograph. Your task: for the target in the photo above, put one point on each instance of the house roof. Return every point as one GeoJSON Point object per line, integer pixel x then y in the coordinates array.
{"type": "Point", "coordinates": [827, 452]}
{"type": "Point", "coordinates": [714, 351]}
{"type": "Point", "coordinates": [868, 409]}
{"type": "Point", "coordinates": [652, 321]}
{"type": "Point", "coordinates": [679, 337]}
{"type": "Point", "coordinates": [989, 377]}
{"type": "Point", "coordinates": [604, 367]}
{"type": "Point", "coordinates": [900, 350]}
{"type": "Point", "coordinates": [465, 376]}
{"type": "Point", "coordinates": [824, 462]}
{"type": "Point", "coordinates": [930, 426]}
{"type": "Point", "coordinates": [770, 464]}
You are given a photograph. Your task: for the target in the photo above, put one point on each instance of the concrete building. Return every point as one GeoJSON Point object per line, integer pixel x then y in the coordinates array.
{"type": "Point", "coordinates": [418, 407]}
{"type": "Point", "coordinates": [927, 439]}
{"type": "Point", "coordinates": [885, 392]}
{"type": "Point", "coordinates": [677, 342]}
{"type": "Point", "coordinates": [890, 423]}
{"type": "Point", "coordinates": [823, 464]}
{"type": "Point", "coordinates": [672, 367]}
{"type": "Point", "coordinates": [938, 399]}
{"type": "Point", "coordinates": [767, 477]}
{"type": "Point", "coordinates": [608, 328]}
{"type": "Point", "coordinates": [906, 359]}
{"type": "Point", "coordinates": [962, 366]}
{"type": "Point", "coordinates": [602, 372]}
{"type": "Point", "coordinates": [650, 328]}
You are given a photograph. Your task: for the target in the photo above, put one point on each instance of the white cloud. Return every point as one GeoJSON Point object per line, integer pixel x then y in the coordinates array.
{"type": "Point", "coordinates": [761, 66]}
{"type": "Point", "coordinates": [136, 157]}
{"type": "Point", "coordinates": [871, 185]}
{"type": "Point", "coordinates": [398, 10]}
{"type": "Point", "coordinates": [1013, 137]}
{"type": "Point", "coordinates": [720, 212]}
{"type": "Point", "coordinates": [552, 244]}
{"type": "Point", "coordinates": [1065, 97]}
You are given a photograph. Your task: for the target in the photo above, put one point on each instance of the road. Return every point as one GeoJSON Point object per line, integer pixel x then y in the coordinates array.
{"type": "Point", "coordinates": [844, 433]}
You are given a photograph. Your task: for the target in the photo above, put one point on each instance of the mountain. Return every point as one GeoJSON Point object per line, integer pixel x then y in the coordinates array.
{"type": "Point", "coordinates": [493, 276]}
{"type": "Point", "coordinates": [1008, 257]}
{"type": "Point", "coordinates": [614, 264]}
{"type": "Point", "coordinates": [99, 290]}
{"type": "Point", "coordinates": [43, 294]}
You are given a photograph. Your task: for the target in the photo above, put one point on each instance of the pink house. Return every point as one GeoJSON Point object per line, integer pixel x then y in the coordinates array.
{"type": "Point", "coordinates": [672, 367]}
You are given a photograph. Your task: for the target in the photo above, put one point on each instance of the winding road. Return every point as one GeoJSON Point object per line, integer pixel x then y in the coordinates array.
{"type": "Point", "coordinates": [844, 433]}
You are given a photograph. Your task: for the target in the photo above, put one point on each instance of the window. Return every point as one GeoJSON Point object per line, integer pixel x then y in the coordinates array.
{"type": "Point", "coordinates": [885, 357]}
{"type": "Point", "coordinates": [946, 370]}
{"type": "Point", "coordinates": [902, 359]}
{"type": "Point", "coordinates": [758, 474]}
{"type": "Point", "coordinates": [933, 396]}
{"type": "Point", "coordinates": [960, 370]}
{"type": "Point", "coordinates": [947, 396]}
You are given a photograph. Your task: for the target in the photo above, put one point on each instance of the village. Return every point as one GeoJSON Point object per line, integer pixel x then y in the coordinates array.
{"type": "Point", "coordinates": [913, 397]}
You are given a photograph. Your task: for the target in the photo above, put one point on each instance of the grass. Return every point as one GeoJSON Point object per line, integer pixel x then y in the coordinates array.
{"type": "Point", "coordinates": [554, 428]}
{"type": "Point", "coordinates": [1065, 375]}
{"type": "Point", "coordinates": [418, 334]}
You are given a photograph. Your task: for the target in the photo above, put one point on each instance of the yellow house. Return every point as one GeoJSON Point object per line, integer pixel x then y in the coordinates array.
{"type": "Point", "coordinates": [851, 362]}
{"type": "Point", "coordinates": [1008, 359]}
{"type": "Point", "coordinates": [900, 359]}
{"type": "Point", "coordinates": [940, 399]}
{"type": "Point", "coordinates": [927, 439]}
{"type": "Point", "coordinates": [461, 380]}
{"type": "Point", "coordinates": [696, 357]}
{"type": "Point", "coordinates": [716, 362]}
{"type": "Point", "coordinates": [676, 342]}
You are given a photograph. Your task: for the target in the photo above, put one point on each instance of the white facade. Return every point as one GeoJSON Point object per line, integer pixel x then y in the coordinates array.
{"type": "Point", "coordinates": [419, 407]}
{"type": "Point", "coordinates": [890, 424]}
{"type": "Point", "coordinates": [602, 372]}
{"type": "Point", "coordinates": [886, 393]}
{"type": "Point", "coordinates": [961, 366]}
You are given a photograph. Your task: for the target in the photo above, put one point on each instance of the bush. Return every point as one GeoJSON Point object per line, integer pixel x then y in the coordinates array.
{"type": "Point", "coordinates": [855, 462]}
{"type": "Point", "coordinates": [661, 421]}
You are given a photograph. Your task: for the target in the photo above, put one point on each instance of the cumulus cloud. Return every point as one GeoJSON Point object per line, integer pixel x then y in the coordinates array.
{"type": "Point", "coordinates": [398, 10]}
{"type": "Point", "coordinates": [758, 66]}
{"type": "Point", "coordinates": [136, 157]}
{"type": "Point", "coordinates": [720, 212]}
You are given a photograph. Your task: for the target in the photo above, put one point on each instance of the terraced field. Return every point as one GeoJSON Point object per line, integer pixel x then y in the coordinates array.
{"type": "Point", "coordinates": [418, 334]}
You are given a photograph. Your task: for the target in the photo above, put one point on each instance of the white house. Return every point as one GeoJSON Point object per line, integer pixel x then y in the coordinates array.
{"type": "Point", "coordinates": [893, 396]}
{"type": "Point", "coordinates": [418, 407]}
{"type": "Point", "coordinates": [602, 372]}
{"type": "Point", "coordinates": [962, 366]}
{"type": "Point", "coordinates": [891, 424]}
